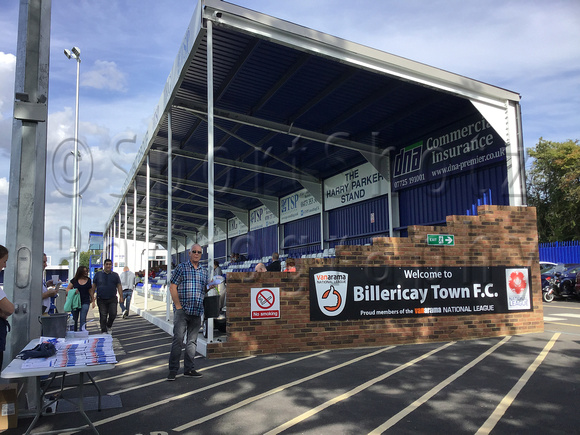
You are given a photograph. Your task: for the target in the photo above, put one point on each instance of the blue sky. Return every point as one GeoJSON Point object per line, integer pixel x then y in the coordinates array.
{"type": "Point", "coordinates": [128, 49]}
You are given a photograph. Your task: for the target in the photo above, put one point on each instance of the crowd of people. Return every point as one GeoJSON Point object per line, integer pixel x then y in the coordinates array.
{"type": "Point", "coordinates": [276, 265]}
{"type": "Point", "coordinates": [188, 285]}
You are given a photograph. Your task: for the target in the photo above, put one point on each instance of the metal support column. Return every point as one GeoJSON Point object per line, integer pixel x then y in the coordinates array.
{"type": "Point", "coordinates": [135, 224]}
{"type": "Point", "coordinates": [146, 284]}
{"type": "Point", "coordinates": [26, 196]}
{"type": "Point", "coordinates": [169, 212]}
{"type": "Point", "coordinates": [210, 162]}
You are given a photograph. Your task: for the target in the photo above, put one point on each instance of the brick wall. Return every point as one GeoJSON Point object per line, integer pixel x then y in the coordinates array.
{"type": "Point", "coordinates": [498, 236]}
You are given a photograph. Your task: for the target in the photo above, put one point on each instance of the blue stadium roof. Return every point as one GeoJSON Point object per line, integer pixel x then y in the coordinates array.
{"type": "Point", "coordinates": [292, 106]}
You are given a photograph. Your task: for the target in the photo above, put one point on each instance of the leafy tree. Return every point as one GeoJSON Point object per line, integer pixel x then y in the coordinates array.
{"type": "Point", "coordinates": [84, 258]}
{"type": "Point", "coordinates": [553, 185]}
{"type": "Point", "coordinates": [63, 262]}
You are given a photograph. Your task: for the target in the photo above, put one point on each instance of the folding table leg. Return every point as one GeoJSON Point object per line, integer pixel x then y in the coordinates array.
{"type": "Point", "coordinates": [39, 403]}
{"type": "Point", "coordinates": [98, 389]}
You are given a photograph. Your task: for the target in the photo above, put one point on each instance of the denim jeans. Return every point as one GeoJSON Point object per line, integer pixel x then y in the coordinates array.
{"type": "Point", "coordinates": [182, 324]}
{"type": "Point", "coordinates": [83, 314]}
{"type": "Point", "coordinates": [127, 295]}
{"type": "Point", "coordinates": [107, 313]}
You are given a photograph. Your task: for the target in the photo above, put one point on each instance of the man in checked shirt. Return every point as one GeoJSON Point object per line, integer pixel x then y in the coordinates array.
{"type": "Point", "coordinates": [188, 286]}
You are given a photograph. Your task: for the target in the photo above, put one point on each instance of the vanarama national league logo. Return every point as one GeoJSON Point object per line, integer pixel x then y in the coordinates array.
{"type": "Point", "coordinates": [517, 289]}
{"type": "Point", "coordinates": [331, 287]}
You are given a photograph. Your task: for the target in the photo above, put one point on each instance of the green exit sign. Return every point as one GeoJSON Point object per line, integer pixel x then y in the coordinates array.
{"type": "Point", "coordinates": [440, 240]}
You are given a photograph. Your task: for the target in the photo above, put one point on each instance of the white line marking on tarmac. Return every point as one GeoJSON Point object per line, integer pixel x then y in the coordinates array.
{"type": "Point", "coordinates": [158, 381]}
{"type": "Point", "coordinates": [564, 324]}
{"type": "Point", "coordinates": [135, 360]}
{"type": "Point", "coordinates": [506, 402]}
{"type": "Point", "coordinates": [560, 306]}
{"type": "Point", "coordinates": [165, 345]}
{"type": "Point", "coordinates": [199, 390]}
{"type": "Point", "coordinates": [436, 389]}
{"type": "Point", "coordinates": [553, 319]}
{"type": "Point", "coordinates": [149, 341]}
{"type": "Point", "coordinates": [354, 391]}
{"type": "Point", "coordinates": [573, 315]}
{"type": "Point", "coordinates": [276, 390]}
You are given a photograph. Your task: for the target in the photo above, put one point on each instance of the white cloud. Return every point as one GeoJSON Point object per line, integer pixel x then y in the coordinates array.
{"type": "Point", "coordinates": [3, 187]}
{"type": "Point", "coordinates": [7, 68]}
{"type": "Point", "coordinates": [105, 75]}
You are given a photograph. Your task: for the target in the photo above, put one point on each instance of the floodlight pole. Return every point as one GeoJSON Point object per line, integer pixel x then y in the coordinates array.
{"type": "Point", "coordinates": [75, 198]}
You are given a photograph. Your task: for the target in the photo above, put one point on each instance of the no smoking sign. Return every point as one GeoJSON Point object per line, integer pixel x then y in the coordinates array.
{"type": "Point", "coordinates": [265, 303]}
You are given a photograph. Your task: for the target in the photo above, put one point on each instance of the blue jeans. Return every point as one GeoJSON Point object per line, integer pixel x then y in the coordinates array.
{"type": "Point", "coordinates": [183, 323]}
{"type": "Point", "coordinates": [127, 294]}
{"type": "Point", "coordinates": [83, 314]}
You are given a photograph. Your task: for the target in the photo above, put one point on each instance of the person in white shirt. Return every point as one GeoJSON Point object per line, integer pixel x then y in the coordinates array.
{"type": "Point", "coordinates": [128, 284]}
{"type": "Point", "coordinates": [47, 294]}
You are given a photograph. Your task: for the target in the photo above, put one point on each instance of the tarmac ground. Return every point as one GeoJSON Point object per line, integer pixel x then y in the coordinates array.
{"type": "Point", "coordinates": [523, 384]}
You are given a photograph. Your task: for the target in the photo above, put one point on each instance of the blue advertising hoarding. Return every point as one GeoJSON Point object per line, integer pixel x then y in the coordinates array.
{"type": "Point", "coordinates": [462, 146]}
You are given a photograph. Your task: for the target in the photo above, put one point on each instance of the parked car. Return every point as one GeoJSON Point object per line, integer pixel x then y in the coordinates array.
{"type": "Point", "coordinates": [544, 264]}
{"type": "Point", "coordinates": [568, 279]}
{"type": "Point", "coordinates": [549, 272]}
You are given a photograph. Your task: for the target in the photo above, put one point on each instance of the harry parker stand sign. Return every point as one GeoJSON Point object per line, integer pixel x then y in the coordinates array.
{"type": "Point", "coordinates": [364, 293]}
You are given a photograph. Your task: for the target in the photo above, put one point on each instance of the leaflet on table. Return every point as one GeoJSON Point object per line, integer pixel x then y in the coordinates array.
{"type": "Point", "coordinates": [39, 363]}
{"type": "Point", "coordinates": [85, 351]}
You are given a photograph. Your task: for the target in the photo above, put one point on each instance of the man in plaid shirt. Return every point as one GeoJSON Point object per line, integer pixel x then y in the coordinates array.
{"type": "Point", "coordinates": [188, 286]}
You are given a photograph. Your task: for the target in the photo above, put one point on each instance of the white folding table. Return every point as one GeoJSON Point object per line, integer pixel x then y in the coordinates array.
{"type": "Point", "coordinates": [15, 370]}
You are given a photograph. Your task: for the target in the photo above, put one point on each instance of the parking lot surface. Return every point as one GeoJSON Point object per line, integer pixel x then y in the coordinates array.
{"type": "Point", "coordinates": [525, 384]}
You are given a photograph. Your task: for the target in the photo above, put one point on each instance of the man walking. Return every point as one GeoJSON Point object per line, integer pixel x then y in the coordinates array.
{"type": "Point", "coordinates": [107, 283]}
{"type": "Point", "coordinates": [188, 286]}
{"type": "Point", "coordinates": [128, 283]}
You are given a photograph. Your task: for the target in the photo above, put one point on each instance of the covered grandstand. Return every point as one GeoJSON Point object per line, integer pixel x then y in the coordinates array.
{"type": "Point", "coordinates": [270, 136]}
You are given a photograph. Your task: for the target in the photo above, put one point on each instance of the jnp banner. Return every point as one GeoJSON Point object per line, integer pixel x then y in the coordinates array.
{"type": "Point", "coordinates": [461, 147]}
{"type": "Point", "coordinates": [349, 293]}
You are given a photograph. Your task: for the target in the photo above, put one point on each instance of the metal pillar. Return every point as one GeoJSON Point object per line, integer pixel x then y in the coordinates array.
{"type": "Point", "coordinates": [210, 147]}
{"type": "Point", "coordinates": [146, 284]}
{"type": "Point", "coordinates": [126, 241]}
{"type": "Point", "coordinates": [135, 223]}
{"type": "Point", "coordinates": [74, 245]}
{"type": "Point", "coordinates": [26, 196]}
{"type": "Point", "coordinates": [169, 212]}
{"type": "Point", "coordinates": [210, 165]}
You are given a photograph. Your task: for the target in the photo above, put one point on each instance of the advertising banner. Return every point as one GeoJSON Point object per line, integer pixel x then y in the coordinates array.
{"type": "Point", "coordinates": [236, 227]}
{"type": "Point", "coordinates": [462, 147]}
{"type": "Point", "coordinates": [349, 293]}
{"type": "Point", "coordinates": [262, 217]}
{"type": "Point", "coordinates": [297, 206]}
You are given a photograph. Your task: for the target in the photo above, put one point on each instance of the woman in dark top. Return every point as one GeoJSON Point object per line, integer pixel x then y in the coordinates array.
{"type": "Point", "coordinates": [82, 283]}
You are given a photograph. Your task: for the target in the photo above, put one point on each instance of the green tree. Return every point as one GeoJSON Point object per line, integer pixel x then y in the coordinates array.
{"type": "Point", "coordinates": [84, 258]}
{"type": "Point", "coordinates": [63, 262]}
{"type": "Point", "coordinates": [553, 185]}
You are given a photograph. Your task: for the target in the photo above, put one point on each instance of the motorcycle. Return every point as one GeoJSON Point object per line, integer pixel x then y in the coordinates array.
{"type": "Point", "coordinates": [554, 289]}
{"type": "Point", "coordinates": [549, 289]}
